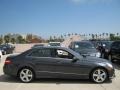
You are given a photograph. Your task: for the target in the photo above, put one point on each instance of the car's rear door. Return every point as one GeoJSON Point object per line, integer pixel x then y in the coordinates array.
{"type": "Point", "coordinates": [43, 62]}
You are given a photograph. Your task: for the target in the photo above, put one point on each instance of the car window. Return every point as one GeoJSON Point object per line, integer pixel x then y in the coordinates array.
{"type": "Point", "coordinates": [54, 44]}
{"type": "Point", "coordinates": [115, 45]}
{"type": "Point", "coordinates": [59, 53]}
{"type": "Point", "coordinates": [41, 53]}
{"type": "Point", "coordinates": [84, 45]}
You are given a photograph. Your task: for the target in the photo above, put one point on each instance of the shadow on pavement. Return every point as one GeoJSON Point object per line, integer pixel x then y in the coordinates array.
{"type": "Point", "coordinates": [117, 65]}
{"type": "Point", "coordinates": [4, 78]}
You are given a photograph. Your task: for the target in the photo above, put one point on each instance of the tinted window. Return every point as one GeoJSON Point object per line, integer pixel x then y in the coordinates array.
{"type": "Point", "coordinates": [41, 53]}
{"type": "Point", "coordinates": [107, 44]}
{"type": "Point", "coordinates": [62, 54]}
{"type": "Point", "coordinates": [54, 44]}
{"type": "Point", "coordinates": [84, 45]}
{"type": "Point", "coordinates": [116, 45]}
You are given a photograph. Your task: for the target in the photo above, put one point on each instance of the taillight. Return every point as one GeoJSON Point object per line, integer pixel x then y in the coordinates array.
{"type": "Point", "coordinates": [8, 62]}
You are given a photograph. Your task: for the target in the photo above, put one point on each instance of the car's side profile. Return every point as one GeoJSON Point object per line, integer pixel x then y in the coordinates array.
{"type": "Point", "coordinates": [57, 62]}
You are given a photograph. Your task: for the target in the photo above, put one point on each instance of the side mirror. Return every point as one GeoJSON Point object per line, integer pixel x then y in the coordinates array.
{"type": "Point", "coordinates": [75, 59]}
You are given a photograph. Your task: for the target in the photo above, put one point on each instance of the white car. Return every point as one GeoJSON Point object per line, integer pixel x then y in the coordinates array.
{"type": "Point", "coordinates": [0, 55]}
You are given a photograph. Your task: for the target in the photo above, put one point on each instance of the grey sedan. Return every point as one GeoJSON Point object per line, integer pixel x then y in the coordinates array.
{"type": "Point", "coordinates": [57, 62]}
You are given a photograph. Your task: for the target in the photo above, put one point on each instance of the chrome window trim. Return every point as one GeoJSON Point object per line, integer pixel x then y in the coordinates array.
{"type": "Point", "coordinates": [60, 73]}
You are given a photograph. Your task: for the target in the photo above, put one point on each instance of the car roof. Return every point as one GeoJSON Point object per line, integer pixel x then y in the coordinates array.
{"type": "Point", "coordinates": [51, 47]}
{"type": "Point", "coordinates": [81, 42]}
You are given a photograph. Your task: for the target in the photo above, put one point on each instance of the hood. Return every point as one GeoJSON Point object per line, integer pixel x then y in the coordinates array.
{"type": "Point", "coordinates": [95, 59]}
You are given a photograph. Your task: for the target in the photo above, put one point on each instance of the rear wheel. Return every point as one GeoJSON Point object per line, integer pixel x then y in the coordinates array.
{"type": "Point", "coordinates": [99, 75]}
{"type": "Point", "coordinates": [26, 75]}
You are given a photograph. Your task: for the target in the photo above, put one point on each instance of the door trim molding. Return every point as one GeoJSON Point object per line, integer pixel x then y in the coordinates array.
{"type": "Point", "coordinates": [61, 73]}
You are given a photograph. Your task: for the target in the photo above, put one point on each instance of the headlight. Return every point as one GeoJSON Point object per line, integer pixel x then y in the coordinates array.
{"type": "Point", "coordinates": [98, 54]}
{"type": "Point", "coordinates": [95, 54]}
{"type": "Point", "coordinates": [110, 65]}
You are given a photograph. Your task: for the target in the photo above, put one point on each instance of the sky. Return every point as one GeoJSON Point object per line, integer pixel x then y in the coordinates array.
{"type": "Point", "coordinates": [56, 17]}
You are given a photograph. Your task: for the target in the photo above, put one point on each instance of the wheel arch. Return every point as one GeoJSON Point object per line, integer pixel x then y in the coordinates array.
{"type": "Point", "coordinates": [28, 67]}
{"type": "Point", "coordinates": [100, 67]}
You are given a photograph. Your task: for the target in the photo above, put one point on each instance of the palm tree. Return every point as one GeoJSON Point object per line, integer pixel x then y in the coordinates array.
{"type": "Point", "coordinates": [103, 34]}
{"type": "Point", "coordinates": [117, 34]}
{"type": "Point", "coordinates": [69, 34]}
{"type": "Point", "coordinates": [65, 35]}
{"type": "Point", "coordinates": [93, 36]}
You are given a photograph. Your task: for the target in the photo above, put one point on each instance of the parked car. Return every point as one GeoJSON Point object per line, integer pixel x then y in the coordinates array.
{"type": "Point", "coordinates": [7, 49]}
{"type": "Point", "coordinates": [103, 47]}
{"type": "Point", "coordinates": [57, 62]}
{"type": "Point", "coordinates": [54, 44]}
{"type": "Point", "coordinates": [0, 55]}
{"type": "Point", "coordinates": [84, 48]}
{"type": "Point", "coordinates": [38, 45]}
{"type": "Point", "coordinates": [113, 51]}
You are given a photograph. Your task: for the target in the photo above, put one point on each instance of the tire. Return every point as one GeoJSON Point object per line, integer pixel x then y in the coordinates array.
{"type": "Point", "coordinates": [26, 75]}
{"type": "Point", "coordinates": [99, 75]}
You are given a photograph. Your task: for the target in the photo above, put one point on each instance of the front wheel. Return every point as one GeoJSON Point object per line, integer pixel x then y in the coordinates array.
{"type": "Point", "coordinates": [26, 75]}
{"type": "Point", "coordinates": [99, 75]}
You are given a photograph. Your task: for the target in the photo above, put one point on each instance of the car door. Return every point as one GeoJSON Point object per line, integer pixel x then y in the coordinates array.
{"type": "Point", "coordinates": [115, 50]}
{"type": "Point", "coordinates": [43, 62]}
{"type": "Point", "coordinates": [66, 68]}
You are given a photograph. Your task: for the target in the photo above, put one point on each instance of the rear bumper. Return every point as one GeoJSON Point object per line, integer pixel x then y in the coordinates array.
{"type": "Point", "coordinates": [9, 70]}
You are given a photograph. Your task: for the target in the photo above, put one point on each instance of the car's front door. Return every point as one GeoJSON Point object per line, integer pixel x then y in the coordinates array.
{"type": "Point", "coordinates": [65, 68]}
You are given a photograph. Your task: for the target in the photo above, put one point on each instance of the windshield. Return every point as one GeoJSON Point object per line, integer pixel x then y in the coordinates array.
{"type": "Point", "coordinates": [107, 44]}
{"type": "Point", "coordinates": [54, 44]}
{"type": "Point", "coordinates": [84, 45]}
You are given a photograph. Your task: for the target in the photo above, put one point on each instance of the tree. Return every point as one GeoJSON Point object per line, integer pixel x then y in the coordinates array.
{"type": "Point", "coordinates": [13, 40]}
{"type": "Point", "coordinates": [117, 34]}
{"type": "Point", "coordinates": [7, 38]}
{"type": "Point", "coordinates": [20, 39]}
{"type": "Point", "coordinates": [29, 38]}
{"type": "Point", "coordinates": [112, 36]}
{"type": "Point", "coordinates": [93, 36]}
{"type": "Point", "coordinates": [1, 39]}
{"type": "Point", "coordinates": [103, 34]}
{"type": "Point", "coordinates": [69, 34]}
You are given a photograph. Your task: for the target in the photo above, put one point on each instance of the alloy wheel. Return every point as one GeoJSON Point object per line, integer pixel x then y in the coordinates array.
{"type": "Point", "coordinates": [99, 75]}
{"type": "Point", "coordinates": [26, 75]}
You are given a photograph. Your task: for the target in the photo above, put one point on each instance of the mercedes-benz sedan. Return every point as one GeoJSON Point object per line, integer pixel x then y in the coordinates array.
{"type": "Point", "coordinates": [57, 62]}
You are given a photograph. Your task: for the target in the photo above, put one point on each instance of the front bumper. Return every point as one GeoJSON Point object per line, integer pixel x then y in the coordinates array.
{"type": "Point", "coordinates": [111, 73]}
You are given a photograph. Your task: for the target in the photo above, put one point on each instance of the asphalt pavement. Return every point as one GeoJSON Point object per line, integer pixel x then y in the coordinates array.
{"type": "Point", "coordinates": [11, 83]}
